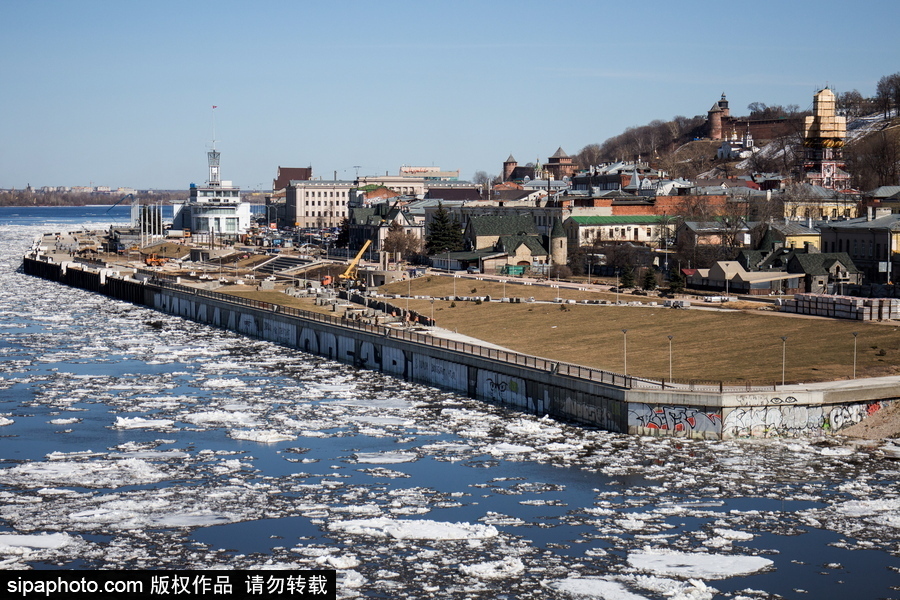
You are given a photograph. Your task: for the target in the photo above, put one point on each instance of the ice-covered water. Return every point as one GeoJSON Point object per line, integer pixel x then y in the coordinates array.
{"type": "Point", "coordinates": [132, 439]}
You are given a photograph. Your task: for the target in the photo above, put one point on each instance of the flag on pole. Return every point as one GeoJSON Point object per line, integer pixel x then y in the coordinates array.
{"type": "Point", "coordinates": [214, 106]}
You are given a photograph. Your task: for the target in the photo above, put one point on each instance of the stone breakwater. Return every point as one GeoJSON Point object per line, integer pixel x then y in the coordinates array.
{"type": "Point", "coordinates": [598, 398]}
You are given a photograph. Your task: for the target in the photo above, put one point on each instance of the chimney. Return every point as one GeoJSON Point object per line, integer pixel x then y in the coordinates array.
{"type": "Point", "coordinates": [869, 213]}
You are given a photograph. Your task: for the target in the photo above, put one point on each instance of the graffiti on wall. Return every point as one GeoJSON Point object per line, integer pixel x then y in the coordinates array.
{"type": "Point", "coordinates": [279, 332]}
{"type": "Point", "coordinates": [247, 325]}
{"type": "Point", "coordinates": [369, 356]}
{"type": "Point", "coordinates": [607, 414]}
{"type": "Point", "coordinates": [309, 342]}
{"type": "Point", "coordinates": [392, 360]}
{"type": "Point", "coordinates": [502, 388]}
{"type": "Point", "coordinates": [673, 418]}
{"type": "Point", "coordinates": [442, 373]}
{"type": "Point", "coordinates": [790, 420]}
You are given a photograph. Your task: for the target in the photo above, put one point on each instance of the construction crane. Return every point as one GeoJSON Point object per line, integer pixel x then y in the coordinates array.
{"type": "Point", "coordinates": [350, 274]}
{"type": "Point", "coordinates": [119, 202]}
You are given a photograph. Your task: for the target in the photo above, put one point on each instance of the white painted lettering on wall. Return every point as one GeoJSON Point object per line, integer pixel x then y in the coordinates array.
{"type": "Point", "coordinates": [440, 372]}
{"type": "Point", "coordinates": [279, 332]}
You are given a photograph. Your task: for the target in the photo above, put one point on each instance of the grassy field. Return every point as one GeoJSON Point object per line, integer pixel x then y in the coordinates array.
{"type": "Point", "coordinates": [712, 345]}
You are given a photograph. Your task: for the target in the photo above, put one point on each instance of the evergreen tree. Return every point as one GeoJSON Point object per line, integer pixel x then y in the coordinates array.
{"type": "Point", "coordinates": [444, 233]}
{"type": "Point", "coordinates": [676, 281]}
{"type": "Point", "coordinates": [627, 277]}
{"type": "Point", "coordinates": [649, 280]}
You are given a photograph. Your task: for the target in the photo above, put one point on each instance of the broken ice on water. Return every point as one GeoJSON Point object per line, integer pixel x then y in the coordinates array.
{"type": "Point", "coordinates": [132, 439]}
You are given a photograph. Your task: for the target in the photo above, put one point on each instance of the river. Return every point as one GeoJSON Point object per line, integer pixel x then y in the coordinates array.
{"type": "Point", "coordinates": [131, 439]}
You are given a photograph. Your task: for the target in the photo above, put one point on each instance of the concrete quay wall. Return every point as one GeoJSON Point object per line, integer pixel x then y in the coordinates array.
{"type": "Point", "coordinates": [605, 400]}
{"type": "Point", "coordinates": [476, 371]}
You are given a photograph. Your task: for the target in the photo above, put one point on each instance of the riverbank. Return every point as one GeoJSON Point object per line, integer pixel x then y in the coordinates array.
{"type": "Point", "coordinates": [609, 400]}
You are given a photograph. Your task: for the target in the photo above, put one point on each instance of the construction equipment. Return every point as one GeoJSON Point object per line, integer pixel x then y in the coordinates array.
{"type": "Point", "coordinates": [154, 260]}
{"type": "Point", "coordinates": [351, 274]}
{"type": "Point", "coordinates": [119, 202]}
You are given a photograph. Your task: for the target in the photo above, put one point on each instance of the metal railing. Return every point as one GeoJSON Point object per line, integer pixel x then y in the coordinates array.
{"type": "Point", "coordinates": [513, 358]}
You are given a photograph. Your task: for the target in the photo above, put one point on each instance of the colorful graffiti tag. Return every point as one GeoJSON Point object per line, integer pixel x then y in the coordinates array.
{"type": "Point", "coordinates": [795, 420]}
{"type": "Point", "coordinates": [673, 418]}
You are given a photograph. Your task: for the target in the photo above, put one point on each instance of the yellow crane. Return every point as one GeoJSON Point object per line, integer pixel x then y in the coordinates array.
{"type": "Point", "coordinates": [350, 274]}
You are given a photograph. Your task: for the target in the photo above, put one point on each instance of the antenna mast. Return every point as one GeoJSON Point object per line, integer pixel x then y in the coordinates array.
{"type": "Point", "coordinates": [213, 156]}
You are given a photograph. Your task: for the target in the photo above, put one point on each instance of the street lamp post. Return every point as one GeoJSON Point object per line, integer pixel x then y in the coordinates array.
{"type": "Point", "coordinates": [624, 352]}
{"type": "Point", "coordinates": [783, 355]}
{"type": "Point", "coordinates": [855, 333]}
{"type": "Point", "coordinates": [670, 356]}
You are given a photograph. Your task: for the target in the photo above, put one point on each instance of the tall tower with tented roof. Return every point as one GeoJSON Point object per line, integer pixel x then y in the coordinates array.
{"type": "Point", "coordinates": [823, 142]}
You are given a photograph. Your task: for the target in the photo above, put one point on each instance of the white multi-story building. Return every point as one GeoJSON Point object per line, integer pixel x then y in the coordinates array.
{"type": "Point", "coordinates": [318, 203]}
{"type": "Point", "coordinates": [215, 208]}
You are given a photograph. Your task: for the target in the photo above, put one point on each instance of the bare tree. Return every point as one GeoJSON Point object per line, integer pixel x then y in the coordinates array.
{"type": "Point", "coordinates": [875, 160]}
{"type": "Point", "coordinates": [589, 156]}
{"type": "Point", "coordinates": [402, 244]}
{"type": "Point", "coordinates": [887, 93]}
{"type": "Point", "coordinates": [482, 178]}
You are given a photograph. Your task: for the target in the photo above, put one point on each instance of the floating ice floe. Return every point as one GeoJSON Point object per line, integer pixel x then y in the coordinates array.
{"type": "Point", "coordinates": [495, 569]}
{"type": "Point", "coordinates": [91, 474]}
{"type": "Point", "coordinates": [11, 543]}
{"type": "Point", "coordinates": [5, 421]}
{"type": "Point", "coordinates": [338, 562]}
{"type": "Point", "coordinates": [415, 529]}
{"type": "Point", "coordinates": [590, 588]}
{"type": "Point", "coordinates": [731, 534]}
{"type": "Point", "coordinates": [385, 458]}
{"type": "Point", "coordinates": [836, 451]}
{"type": "Point", "coordinates": [224, 383]}
{"type": "Point", "coordinates": [266, 436]}
{"type": "Point", "coordinates": [139, 423]}
{"type": "Point", "coordinates": [696, 564]}
{"type": "Point", "coordinates": [382, 420]}
{"type": "Point", "coordinates": [881, 512]}
{"type": "Point", "coordinates": [504, 448]}
{"type": "Point", "coordinates": [221, 417]}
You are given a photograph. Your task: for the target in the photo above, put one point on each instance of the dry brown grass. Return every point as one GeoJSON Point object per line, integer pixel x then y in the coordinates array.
{"type": "Point", "coordinates": [274, 297]}
{"type": "Point", "coordinates": [713, 345]}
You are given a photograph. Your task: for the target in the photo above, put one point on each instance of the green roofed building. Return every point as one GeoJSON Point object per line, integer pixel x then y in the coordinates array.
{"type": "Point", "coordinates": [637, 229]}
{"type": "Point", "coordinates": [498, 242]}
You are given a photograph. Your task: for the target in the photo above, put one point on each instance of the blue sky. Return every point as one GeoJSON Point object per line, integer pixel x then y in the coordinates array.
{"type": "Point", "coordinates": [119, 92]}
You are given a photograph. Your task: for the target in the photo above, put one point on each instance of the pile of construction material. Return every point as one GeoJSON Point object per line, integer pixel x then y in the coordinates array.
{"type": "Point", "coordinates": [844, 307]}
